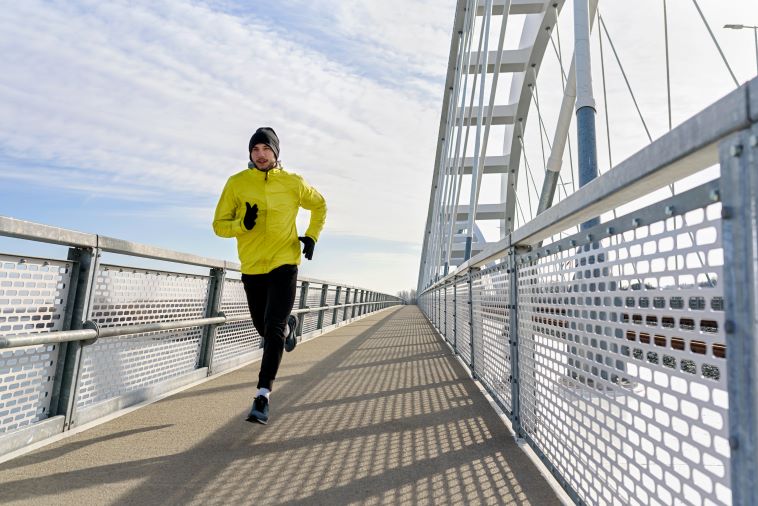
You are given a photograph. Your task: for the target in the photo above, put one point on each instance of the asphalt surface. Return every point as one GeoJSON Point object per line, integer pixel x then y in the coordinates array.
{"type": "Point", "coordinates": [376, 412]}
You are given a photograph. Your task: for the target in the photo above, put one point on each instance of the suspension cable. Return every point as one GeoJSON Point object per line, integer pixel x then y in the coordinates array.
{"type": "Point", "coordinates": [629, 87]}
{"type": "Point", "coordinates": [605, 99]}
{"type": "Point", "coordinates": [668, 66]}
{"type": "Point", "coordinates": [718, 46]}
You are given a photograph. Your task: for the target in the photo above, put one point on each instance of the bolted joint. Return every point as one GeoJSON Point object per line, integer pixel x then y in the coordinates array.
{"type": "Point", "coordinates": [726, 213]}
{"type": "Point", "coordinates": [754, 141]}
{"type": "Point", "coordinates": [735, 150]}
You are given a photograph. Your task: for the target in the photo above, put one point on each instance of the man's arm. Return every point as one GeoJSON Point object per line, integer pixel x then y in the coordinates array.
{"type": "Point", "coordinates": [313, 201]}
{"type": "Point", "coordinates": [226, 223]}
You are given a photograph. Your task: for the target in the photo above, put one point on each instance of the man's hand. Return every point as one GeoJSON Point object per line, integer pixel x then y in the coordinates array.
{"type": "Point", "coordinates": [308, 245]}
{"type": "Point", "coordinates": [251, 214]}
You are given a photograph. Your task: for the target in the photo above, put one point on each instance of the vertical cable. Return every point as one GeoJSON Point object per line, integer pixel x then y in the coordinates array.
{"type": "Point", "coordinates": [668, 75]}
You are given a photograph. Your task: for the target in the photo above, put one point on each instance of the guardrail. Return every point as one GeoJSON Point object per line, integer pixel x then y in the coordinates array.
{"type": "Point", "coordinates": [625, 354]}
{"type": "Point", "coordinates": [80, 339]}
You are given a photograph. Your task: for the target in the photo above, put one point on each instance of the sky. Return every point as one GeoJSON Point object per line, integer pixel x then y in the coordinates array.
{"type": "Point", "coordinates": [125, 118]}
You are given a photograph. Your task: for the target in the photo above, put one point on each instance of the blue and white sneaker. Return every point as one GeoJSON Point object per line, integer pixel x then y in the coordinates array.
{"type": "Point", "coordinates": [259, 411]}
{"type": "Point", "coordinates": [291, 341]}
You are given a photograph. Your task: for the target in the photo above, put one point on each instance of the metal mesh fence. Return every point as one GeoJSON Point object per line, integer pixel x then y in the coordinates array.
{"type": "Point", "coordinates": [33, 298]}
{"type": "Point", "coordinates": [622, 361]}
{"type": "Point", "coordinates": [238, 338]}
{"type": "Point", "coordinates": [313, 300]}
{"type": "Point", "coordinates": [491, 296]}
{"type": "Point", "coordinates": [621, 353]}
{"type": "Point", "coordinates": [114, 366]}
{"type": "Point", "coordinates": [125, 296]}
{"type": "Point", "coordinates": [463, 327]}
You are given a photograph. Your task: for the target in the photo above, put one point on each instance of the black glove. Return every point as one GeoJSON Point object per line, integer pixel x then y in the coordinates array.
{"type": "Point", "coordinates": [308, 245]}
{"type": "Point", "coordinates": [250, 216]}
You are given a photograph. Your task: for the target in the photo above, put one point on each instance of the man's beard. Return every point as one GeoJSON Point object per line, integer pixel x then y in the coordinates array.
{"type": "Point", "coordinates": [267, 166]}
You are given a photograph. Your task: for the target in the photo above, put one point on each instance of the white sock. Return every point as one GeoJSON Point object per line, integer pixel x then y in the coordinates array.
{"type": "Point", "coordinates": [264, 392]}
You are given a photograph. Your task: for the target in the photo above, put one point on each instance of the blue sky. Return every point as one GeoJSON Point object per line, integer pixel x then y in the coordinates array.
{"type": "Point", "coordinates": [125, 119]}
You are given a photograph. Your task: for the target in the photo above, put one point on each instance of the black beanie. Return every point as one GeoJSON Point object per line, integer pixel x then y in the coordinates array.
{"type": "Point", "coordinates": [267, 136]}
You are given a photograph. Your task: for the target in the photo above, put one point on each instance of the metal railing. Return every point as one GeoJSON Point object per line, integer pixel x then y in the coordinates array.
{"type": "Point", "coordinates": [80, 339]}
{"type": "Point", "coordinates": [626, 354]}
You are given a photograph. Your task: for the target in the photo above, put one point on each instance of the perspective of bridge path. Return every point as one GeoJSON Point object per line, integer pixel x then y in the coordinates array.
{"type": "Point", "coordinates": [376, 412]}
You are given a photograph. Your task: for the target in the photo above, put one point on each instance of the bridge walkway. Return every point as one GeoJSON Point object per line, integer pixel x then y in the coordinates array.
{"type": "Point", "coordinates": [376, 412]}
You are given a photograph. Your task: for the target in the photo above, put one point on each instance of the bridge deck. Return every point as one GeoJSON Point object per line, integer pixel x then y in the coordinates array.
{"type": "Point", "coordinates": [377, 412]}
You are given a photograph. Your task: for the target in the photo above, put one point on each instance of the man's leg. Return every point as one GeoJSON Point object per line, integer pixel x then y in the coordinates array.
{"type": "Point", "coordinates": [256, 291]}
{"type": "Point", "coordinates": [282, 286]}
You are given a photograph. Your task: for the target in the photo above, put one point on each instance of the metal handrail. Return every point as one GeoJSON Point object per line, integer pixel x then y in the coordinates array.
{"type": "Point", "coordinates": [38, 232]}
{"type": "Point", "coordinates": [94, 332]}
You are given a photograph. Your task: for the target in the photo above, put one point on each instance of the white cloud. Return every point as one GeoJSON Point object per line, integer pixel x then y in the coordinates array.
{"type": "Point", "coordinates": [163, 96]}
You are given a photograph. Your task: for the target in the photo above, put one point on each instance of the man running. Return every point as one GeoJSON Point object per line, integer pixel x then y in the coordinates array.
{"type": "Point", "coordinates": [258, 206]}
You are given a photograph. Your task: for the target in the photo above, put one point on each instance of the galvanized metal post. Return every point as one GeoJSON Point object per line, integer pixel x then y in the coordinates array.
{"type": "Point", "coordinates": [302, 305]}
{"type": "Point", "coordinates": [444, 326]}
{"type": "Point", "coordinates": [335, 318]}
{"type": "Point", "coordinates": [213, 307]}
{"type": "Point", "coordinates": [68, 372]}
{"type": "Point", "coordinates": [354, 311]}
{"type": "Point", "coordinates": [471, 321]}
{"type": "Point", "coordinates": [322, 303]}
{"type": "Point", "coordinates": [739, 192]}
{"type": "Point", "coordinates": [455, 318]}
{"type": "Point", "coordinates": [345, 315]}
{"type": "Point", "coordinates": [512, 307]}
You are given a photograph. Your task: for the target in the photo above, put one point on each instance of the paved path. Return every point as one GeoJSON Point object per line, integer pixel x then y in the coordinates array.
{"type": "Point", "coordinates": [376, 412]}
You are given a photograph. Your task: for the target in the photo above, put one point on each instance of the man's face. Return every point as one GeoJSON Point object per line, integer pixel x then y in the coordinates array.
{"type": "Point", "coordinates": [263, 157]}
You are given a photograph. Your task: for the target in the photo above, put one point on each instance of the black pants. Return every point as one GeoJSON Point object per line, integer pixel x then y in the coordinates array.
{"type": "Point", "coordinates": [270, 298]}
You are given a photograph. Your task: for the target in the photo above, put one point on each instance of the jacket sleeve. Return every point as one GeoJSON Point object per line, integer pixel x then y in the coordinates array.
{"type": "Point", "coordinates": [226, 223]}
{"type": "Point", "coordinates": [313, 201]}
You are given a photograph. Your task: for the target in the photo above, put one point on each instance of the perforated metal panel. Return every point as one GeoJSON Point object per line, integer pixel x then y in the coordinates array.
{"type": "Point", "coordinates": [349, 298]}
{"type": "Point", "coordinates": [33, 294]}
{"type": "Point", "coordinates": [118, 365]}
{"type": "Point", "coordinates": [463, 327]}
{"type": "Point", "coordinates": [33, 298]}
{"type": "Point", "coordinates": [313, 300]}
{"type": "Point", "coordinates": [622, 362]}
{"type": "Point", "coordinates": [491, 295]}
{"type": "Point", "coordinates": [233, 298]}
{"type": "Point", "coordinates": [239, 338]}
{"type": "Point", "coordinates": [126, 296]}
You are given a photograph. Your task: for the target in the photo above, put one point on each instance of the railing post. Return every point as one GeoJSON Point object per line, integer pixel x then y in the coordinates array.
{"type": "Point", "coordinates": [512, 307]}
{"type": "Point", "coordinates": [303, 304]}
{"type": "Point", "coordinates": [739, 193]}
{"type": "Point", "coordinates": [355, 300]}
{"type": "Point", "coordinates": [322, 303]}
{"type": "Point", "coordinates": [215, 293]}
{"type": "Point", "coordinates": [347, 311]}
{"type": "Point", "coordinates": [68, 371]}
{"type": "Point", "coordinates": [471, 321]}
{"type": "Point", "coordinates": [444, 305]}
{"type": "Point", "coordinates": [336, 303]}
{"type": "Point", "coordinates": [455, 317]}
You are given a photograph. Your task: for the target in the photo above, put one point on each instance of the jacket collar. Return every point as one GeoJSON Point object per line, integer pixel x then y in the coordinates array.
{"type": "Point", "coordinates": [266, 173]}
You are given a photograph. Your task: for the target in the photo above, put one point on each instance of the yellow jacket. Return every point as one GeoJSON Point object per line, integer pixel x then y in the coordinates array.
{"type": "Point", "coordinates": [272, 242]}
